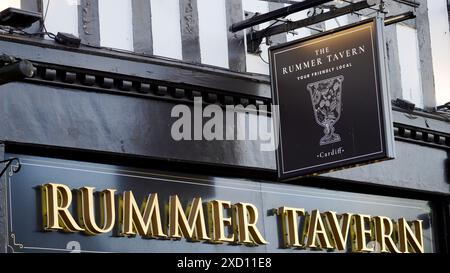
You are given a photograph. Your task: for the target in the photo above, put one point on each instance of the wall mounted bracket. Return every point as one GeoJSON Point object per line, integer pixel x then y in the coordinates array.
{"type": "Point", "coordinates": [12, 69]}
{"type": "Point", "coordinates": [8, 162]}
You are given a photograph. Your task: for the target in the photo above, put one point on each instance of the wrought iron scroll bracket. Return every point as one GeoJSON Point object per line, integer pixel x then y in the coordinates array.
{"type": "Point", "coordinates": [316, 15]}
{"type": "Point", "coordinates": [14, 168]}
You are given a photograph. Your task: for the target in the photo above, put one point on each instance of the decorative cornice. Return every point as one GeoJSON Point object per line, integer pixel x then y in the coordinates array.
{"type": "Point", "coordinates": [421, 136]}
{"type": "Point", "coordinates": [119, 84]}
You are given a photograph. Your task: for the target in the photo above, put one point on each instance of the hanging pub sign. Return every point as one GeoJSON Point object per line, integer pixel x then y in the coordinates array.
{"type": "Point", "coordinates": [333, 101]}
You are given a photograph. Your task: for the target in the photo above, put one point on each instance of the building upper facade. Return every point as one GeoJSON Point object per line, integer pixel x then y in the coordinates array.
{"type": "Point", "coordinates": [197, 31]}
{"type": "Point", "coordinates": [139, 68]}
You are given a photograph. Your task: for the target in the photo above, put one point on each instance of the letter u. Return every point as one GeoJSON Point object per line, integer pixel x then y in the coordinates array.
{"type": "Point", "coordinates": [107, 211]}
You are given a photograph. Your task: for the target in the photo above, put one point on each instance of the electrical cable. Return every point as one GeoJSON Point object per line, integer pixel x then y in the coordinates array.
{"type": "Point", "coordinates": [275, 21]}
{"type": "Point", "coordinates": [262, 58]}
{"type": "Point", "coordinates": [45, 15]}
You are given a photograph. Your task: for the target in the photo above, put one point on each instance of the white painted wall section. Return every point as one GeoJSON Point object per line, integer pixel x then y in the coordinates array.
{"type": "Point", "coordinates": [336, 22]}
{"type": "Point", "coordinates": [301, 32]}
{"type": "Point", "coordinates": [62, 16]}
{"type": "Point", "coordinates": [254, 62]}
{"type": "Point", "coordinates": [166, 28]}
{"type": "Point", "coordinates": [409, 64]}
{"type": "Point", "coordinates": [213, 32]}
{"type": "Point", "coordinates": [440, 49]}
{"type": "Point", "coordinates": [4, 4]}
{"type": "Point", "coordinates": [116, 24]}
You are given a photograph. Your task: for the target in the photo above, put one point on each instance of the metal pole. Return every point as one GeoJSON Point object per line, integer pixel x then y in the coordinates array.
{"type": "Point", "coordinates": [282, 1]}
{"type": "Point", "coordinates": [311, 20]}
{"type": "Point", "coordinates": [276, 14]}
{"type": "Point", "coordinates": [413, 4]}
{"type": "Point", "coordinates": [399, 18]}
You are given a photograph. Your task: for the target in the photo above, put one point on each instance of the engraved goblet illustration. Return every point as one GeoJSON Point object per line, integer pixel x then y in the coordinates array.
{"type": "Point", "coordinates": [326, 97]}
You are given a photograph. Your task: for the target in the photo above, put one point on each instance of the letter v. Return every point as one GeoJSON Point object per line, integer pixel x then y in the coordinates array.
{"type": "Point", "coordinates": [340, 233]}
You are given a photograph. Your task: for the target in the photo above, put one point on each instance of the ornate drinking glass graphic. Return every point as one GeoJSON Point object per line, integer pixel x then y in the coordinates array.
{"type": "Point", "coordinates": [326, 97]}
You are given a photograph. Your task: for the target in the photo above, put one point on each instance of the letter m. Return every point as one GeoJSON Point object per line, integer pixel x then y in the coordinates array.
{"type": "Point", "coordinates": [146, 221]}
{"type": "Point", "coordinates": [192, 227]}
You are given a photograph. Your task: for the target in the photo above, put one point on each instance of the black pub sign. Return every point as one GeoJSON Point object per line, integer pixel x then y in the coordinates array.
{"type": "Point", "coordinates": [333, 101]}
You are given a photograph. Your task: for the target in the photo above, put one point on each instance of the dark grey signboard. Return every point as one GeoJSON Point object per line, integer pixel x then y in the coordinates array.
{"type": "Point", "coordinates": [25, 208]}
{"type": "Point", "coordinates": [334, 107]}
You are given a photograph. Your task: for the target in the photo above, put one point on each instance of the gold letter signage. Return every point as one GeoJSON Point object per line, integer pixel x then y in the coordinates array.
{"type": "Point", "coordinates": [219, 221]}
